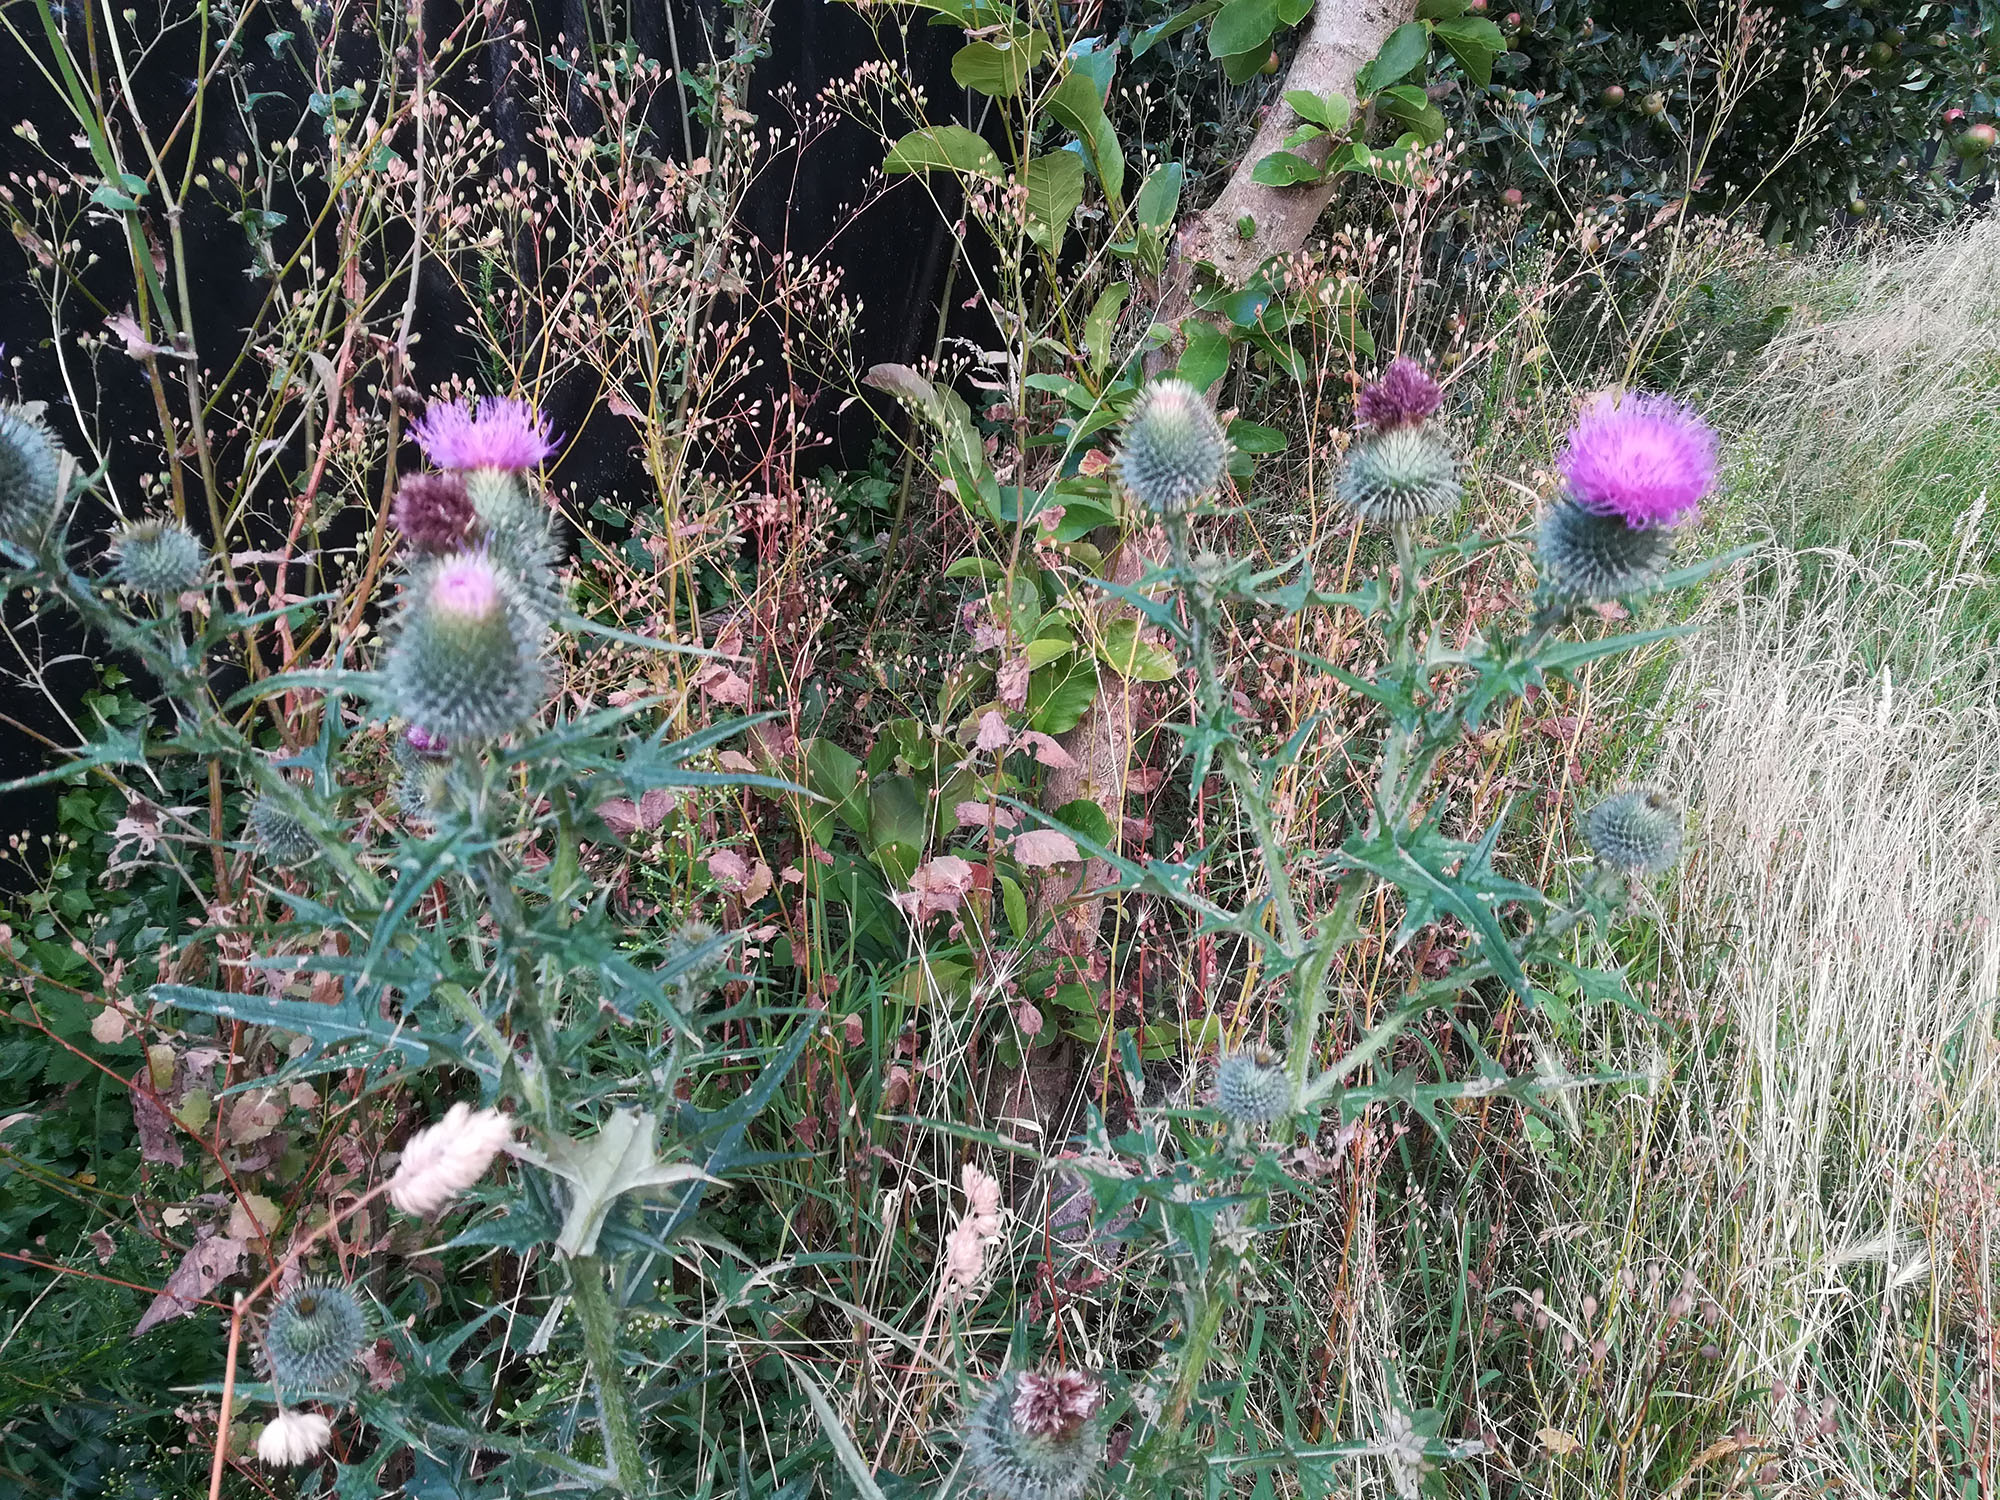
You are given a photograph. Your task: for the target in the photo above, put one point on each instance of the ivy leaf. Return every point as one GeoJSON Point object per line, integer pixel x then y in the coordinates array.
{"type": "Point", "coordinates": [619, 1159]}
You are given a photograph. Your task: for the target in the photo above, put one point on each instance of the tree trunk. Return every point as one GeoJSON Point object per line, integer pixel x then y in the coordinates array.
{"type": "Point", "coordinates": [1342, 35]}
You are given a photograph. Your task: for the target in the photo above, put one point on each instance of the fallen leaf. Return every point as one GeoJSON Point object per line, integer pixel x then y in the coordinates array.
{"type": "Point", "coordinates": [109, 1025]}
{"type": "Point", "coordinates": [1044, 846]}
{"type": "Point", "coordinates": [623, 816]}
{"type": "Point", "coordinates": [210, 1262]}
{"type": "Point", "coordinates": [984, 815]}
{"type": "Point", "coordinates": [993, 731]}
{"type": "Point", "coordinates": [252, 1217]}
{"type": "Point", "coordinates": [937, 885]}
{"type": "Point", "coordinates": [159, 1138]}
{"type": "Point", "coordinates": [1011, 683]}
{"type": "Point", "coordinates": [255, 1116]}
{"type": "Point", "coordinates": [724, 686]}
{"type": "Point", "coordinates": [1047, 751]}
{"type": "Point", "coordinates": [1558, 1442]}
{"type": "Point", "coordinates": [104, 1245]}
{"type": "Point", "coordinates": [729, 870]}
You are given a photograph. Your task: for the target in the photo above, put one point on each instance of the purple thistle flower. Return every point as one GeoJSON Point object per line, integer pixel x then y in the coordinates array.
{"type": "Point", "coordinates": [1646, 459]}
{"type": "Point", "coordinates": [425, 743]}
{"type": "Point", "coordinates": [1404, 395]}
{"type": "Point", "coordinates": [504, 432]}
{"type": "Point", "coordinates": [433, 511]}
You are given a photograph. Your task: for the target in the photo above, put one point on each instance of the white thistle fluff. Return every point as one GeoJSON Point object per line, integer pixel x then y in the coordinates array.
{"type": "Point", "coordinates": [292, 1437]}
{"type": "Point", "coordinates": [443, 1160]}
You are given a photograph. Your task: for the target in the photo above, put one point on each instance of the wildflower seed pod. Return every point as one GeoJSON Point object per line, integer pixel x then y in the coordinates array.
{"type": "Point", "coordinates": [159, 558]}
{"type": "Point", "coordinates": [1401, 474]}
{"type": "Point", "coordinates": [1174, 450]}
{"type": "Point", "coordinates": [31, 477]}
{"type": "Point", "coordinates": [1252, 1089]}
{"type": "Point", "coordinates": [519, 535]}
{"type": "Point", "coordinates": [284, 840]}
{"type": "Point", "coordinates": [292, 1438]}
{"type": "Point", "coordinates": [313, 1338]}
{"type": "Point", "coordinates": [1637, 832]}
{"type": "Point", "coordinates": [1034, 1437]}
{"type": "Point", "coordinates": [1586, 556]}
{"type": "Point", "coordinates": [465, 663]}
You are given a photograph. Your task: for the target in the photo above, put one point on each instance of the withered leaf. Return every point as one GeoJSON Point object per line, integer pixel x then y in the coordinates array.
{"type": "Point", "coordinates": [201, 1270]}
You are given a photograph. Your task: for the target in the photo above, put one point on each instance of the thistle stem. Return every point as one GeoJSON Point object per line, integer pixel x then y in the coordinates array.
{"type": "Point", "coordinates": [591, 1297]}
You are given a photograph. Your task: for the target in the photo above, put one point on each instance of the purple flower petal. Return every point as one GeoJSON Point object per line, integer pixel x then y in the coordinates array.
{"type": "Point", "coordinates": [1646, 459]}
{"type": "Point", "coordinates": [503, 432]}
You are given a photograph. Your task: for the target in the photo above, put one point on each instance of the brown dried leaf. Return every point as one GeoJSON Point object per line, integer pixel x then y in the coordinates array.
{"type": "Point", "coordinates": [201, 1270]}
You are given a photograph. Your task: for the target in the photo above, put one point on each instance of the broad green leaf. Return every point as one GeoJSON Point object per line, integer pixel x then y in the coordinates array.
{"type": "Point", "coordinates": [1131, 655]}
{"type": "Point", "coordinates": [976, 567]}
{"type": "Point", "coordinates": [1410, 107]}
{"type": "Point", "coordinates": [1103, 321]}
{"type": "Point", "coordinates": [1077, 104]}
{"type": "Point", "coordinates": [1253, 437]}
{"type": "Point", "coordinates": [1205, 360]}
{"type": "Point", "coordinates": [1328, 111]}
{"type": "Point", "coordinates": [1084, 816]}
{"type": "Point", "coordinates": [1474, 41]}
{"type": "Point", "coordinates": [1015, 904]}
{"type": "Point", "coordinates": [1180, 20]}
{"type": "Point", "coordinates": [1441, 10]}
{"type": "Point", "coordinates": [619, 1159]}
{"type": "Point", "coordinates": [1406, 49]}
{"type": "Point", "coordinates": [1160, 196]}
{"type": "Point", "coordinates": [1243, 26]}
{"type": "Point", "coordinates": [951, 147]}
{"type": "Point", "coordinates": [1055, 188]}
{"type": "Point", "coordinates": [1060, 692]}
{"type": "Point", "coordinates": [1043, 650]}
{"type": "Point", "coordinates": [1284, 169]}
{"type": "Point", "coordinates": [998, 68]}
{"type": "Point", "coordinates": [1241, 67]}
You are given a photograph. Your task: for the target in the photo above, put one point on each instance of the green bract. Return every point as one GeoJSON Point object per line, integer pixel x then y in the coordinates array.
{"type": "Point", "coordinates": [1398, 476]}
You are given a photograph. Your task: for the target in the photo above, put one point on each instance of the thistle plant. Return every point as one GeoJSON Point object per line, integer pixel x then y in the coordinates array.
{"type": "Point", "coordinates": [159, 558]}
{"type": "Point", "coordinates": [312, 1339]}
{"type": "Point", "coordinates": [1033, 1435]}
{"type": "Point", "coordinates": [1638, 465]}
{"type": "Point", "coordinates": [31, 477]}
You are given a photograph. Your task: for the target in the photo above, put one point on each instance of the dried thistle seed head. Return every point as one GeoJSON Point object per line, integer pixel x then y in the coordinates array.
{"type": "Point", "coordinates": [1252, 1088]}
{"type": "Point", "coordinates": [158, 557]}
{"type": "Point", "coordinates": [1035, 1437]}
{"type": "Point", "coordinates": [1589, 556]}
{"type": "Point", "coordinates": [1174, 451]}
{"type": "Point", "coordinates": [466, 659]}
{"type": "Point", "coordinates": [31, 476]}
{"type": "Point", "coordinates": [433, 512]}
{"type": "Point", "coordinates": [313, 1338]}
{"type": "Point", "coordinates": [284, 840]}
{"type": "Point", "coordinates": [1402, 474]}
{"type": "Point", "coordinates": [1637, 831]}
{"type": "Point", "coordinates": [293, 1437]}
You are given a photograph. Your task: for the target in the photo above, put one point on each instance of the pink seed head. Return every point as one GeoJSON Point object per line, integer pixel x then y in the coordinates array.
{"type": "Point", "coordinates": [1405, 394]}
{"type": "Point", "coordinates": [465, 586]}
{"type": "Point", "coordinates": [1646, 459]}
{"type": "Point", "coordinates": [502, 432]}
{"type": "Point", "coordinates": [1055, 1404]}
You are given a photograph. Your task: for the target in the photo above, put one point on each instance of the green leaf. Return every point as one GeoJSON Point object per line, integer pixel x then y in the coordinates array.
{"type": "Point", "coordinates": [1103, 320]}
{"type": "Point", "coordinates": [1243, 26]}
{"type": "Point", "coordinates": [1180, 20]}
{"type": "Point", "coordinates": [1441, 10]}
{"type": "Point", "coordinates": [1077, 104]}
{"type": "Point", "coordinates": [329, 1025]}
{"type": "Point", "coordinates": [1284, 169]}
{"type": "Point", "coordinates": [951, 147]}
{"type": "Point", "coordinates": [1406, 49]}
{"type": "Point", "coordinates": [1055, 188]}
{"type": "Point", "coordinates": [1160, 196]}
{"type": "Point", "coordinates": [998, 68]}
{"type": "Point", "coordinates": [1330, 112]}
{"type": "Point", "coordinates": [976, 567]}
{"type": "Point", "coordinates": [1131, 655]}
{"type": "Point", "coordinates": [838, 1438]}
{"type": "Point", "coordinates": [1059, 693]}
{"type": "Point", "coordinates": [1410, 107]}
{"type": "Point", "coordinates": [1241, 67]}
{"type": "Point", "coordinates": [1084, 816]}
{"type": "Point", "coordinates": [619, 1159]}
{"type": "Point", "coordinates": [1015, 904]}
{"type": "Point", "coordinates": [1474, 41]}
{"type": "Point", "coordinates": [1253, 437]}
{"type": "Point", "coordinates": [1205, 360]}
{"type": "Point", "coordinates": [1045, 649]}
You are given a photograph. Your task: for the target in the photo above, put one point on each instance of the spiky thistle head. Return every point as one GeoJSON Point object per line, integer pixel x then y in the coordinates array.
{"type": "Point", "coordinates": [1405, 395]}
{"type": "Point", "coordinates": [158, 557]}
{"type": "Point", "coordinates": [1646, 459]}
{"type": "Point", "coordinates": [275, 830]}
{"type": "Point", "coordinates": [1636, 831]}
{"type": "Point", "coordinates": [518, 529]}
{"type": "Point", "coordinates": [496, 432]}
{"type": "Point", "coordinates": [1583, 555]}
{"type": "Point", "coordinates": [1252, 1088]}
{"type": "Point", "coordinates": [1034, 1436]}
{"type": "Point", "coordinates": [313, 1338]}
{"type": "Point", "coordinates": [466, 660]}
{"type": "Point", "coordinates": [433, 512]}
{"type": "Point", "coordinates": [1174, 450]}
{"type": "Point", "coordinates": [31, 476]}
{"type": "Point", "coordinates": [421, 765]}
{"type": "Point", "coordinates": [1399, 475]}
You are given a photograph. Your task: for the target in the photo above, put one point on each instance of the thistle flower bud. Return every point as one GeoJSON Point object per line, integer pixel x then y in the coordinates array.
{"type": "Point", "coordinates": [519, 535]}
{"type": "Point", "coordinates": [293, 1437]}
{"type": "Point", "coordinates": [284, 840]}
{"type": "Point", "coordinates": [1251, 1088]}
{"type": "Point", "coordinates": [465, 663]}
{"type": "Point", "coordinates": [313, 1338]}
{"type": "Point", "coordinates": [443, 1160]}
{"type": "Point", "coordinates": [31, 476]}
{"type": "Point", "coordinates": [1584, 555]}
{"type": "Point", "coordinates": [1637, 832]}
{"type": "Point", "coordinates": [1404, 396]}
{"type": "Point", "coordinates": [1399, 475]}
{"type": "Point", "coordinates": [1174, 450]}
{"type": "Point", "coordinates": [420, 760]}
{"type": "Point", "coordinates": [1034, 1437]}
{"type": "Point", "coordinates": [433, 512]}
{"type": "Point", "coordinates": [159, 558]}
